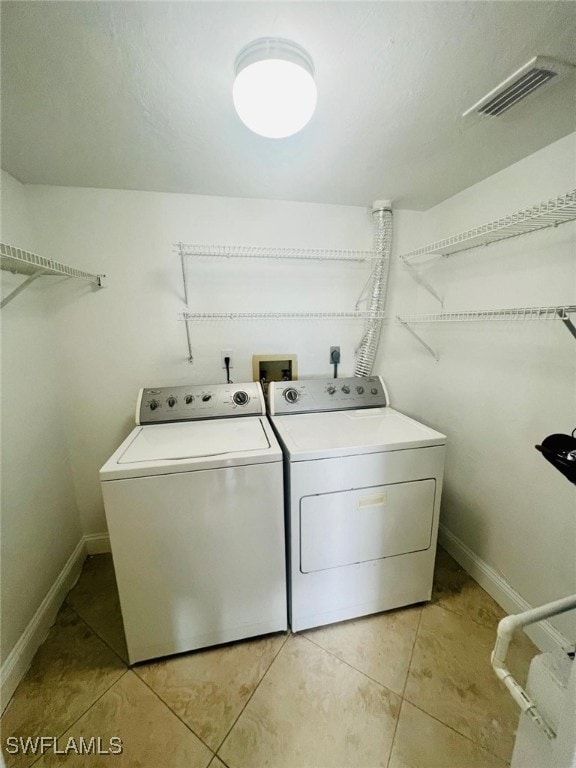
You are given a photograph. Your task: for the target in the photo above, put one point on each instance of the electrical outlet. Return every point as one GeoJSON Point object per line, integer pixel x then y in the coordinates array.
{"type": "Point", "coordinates": [227, 353]}
{"type": "Point", "coordinates": [334, 353]}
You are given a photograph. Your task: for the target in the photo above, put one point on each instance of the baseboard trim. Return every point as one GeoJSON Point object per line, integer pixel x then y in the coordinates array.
{"type": "Point", "coordinates": [97, 543]}
{"type": "Point", "coordinates": [19, 659]}
{"type": "Point", "coordinates": [543, 634]}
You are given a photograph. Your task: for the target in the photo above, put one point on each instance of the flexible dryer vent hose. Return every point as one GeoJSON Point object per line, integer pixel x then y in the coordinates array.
{"type": "Point", "coordinates": [366, 352]}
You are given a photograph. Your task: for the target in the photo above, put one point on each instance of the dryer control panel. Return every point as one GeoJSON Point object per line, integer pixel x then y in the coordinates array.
{"type": "Point", "coordinates": [189, 402]}
{"type": "Point", "coordinates": [317, 395]}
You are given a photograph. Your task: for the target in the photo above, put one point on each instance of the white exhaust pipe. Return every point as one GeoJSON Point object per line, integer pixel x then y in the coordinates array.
{"type": "Point", "coordinates": [366, 352]}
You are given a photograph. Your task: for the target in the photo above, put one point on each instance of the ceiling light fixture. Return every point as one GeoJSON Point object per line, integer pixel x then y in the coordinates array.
{"type": "Point", "coordinates": [274, 90]}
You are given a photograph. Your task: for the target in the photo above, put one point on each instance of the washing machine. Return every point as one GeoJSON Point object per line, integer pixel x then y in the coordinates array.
{"type": "Point", "coordinates": [194, 505]}
{"type": "Point", "coordinates": [362, 499]}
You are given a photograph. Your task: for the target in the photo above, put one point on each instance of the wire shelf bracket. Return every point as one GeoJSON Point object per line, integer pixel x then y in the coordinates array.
{"type": "Point", "coordinates": [22, 262]}
{"type": "Point", "coordinates": [564, 316]}
{"type": "Point", "coordinates": [411, 330]}
{"type": "Point", "coordinates": [561, 313]}
{"type": "Point", "coordinates": [419, 277]}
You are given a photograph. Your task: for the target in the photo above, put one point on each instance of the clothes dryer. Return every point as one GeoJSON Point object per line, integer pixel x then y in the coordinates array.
{"type": "Point", "coordinates": [194, 504]}
{"type": "Point", "coordinates": [362, 499]}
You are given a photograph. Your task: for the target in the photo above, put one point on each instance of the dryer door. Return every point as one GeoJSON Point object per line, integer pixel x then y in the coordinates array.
{"type": "Point", "coordinates": [346, 527]}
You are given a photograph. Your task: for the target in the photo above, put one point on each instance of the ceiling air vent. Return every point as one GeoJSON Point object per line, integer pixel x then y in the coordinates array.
{"type": "Point", "coordinates": [538, 72]}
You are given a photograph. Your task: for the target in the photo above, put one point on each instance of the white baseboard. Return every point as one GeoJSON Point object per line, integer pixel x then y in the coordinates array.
{"type": "Point", "coordinates": [97, 543]}
{"type": "Point", "coordinates": [543, 634]}
{"type": "Point", "coordinates": [19, 659]}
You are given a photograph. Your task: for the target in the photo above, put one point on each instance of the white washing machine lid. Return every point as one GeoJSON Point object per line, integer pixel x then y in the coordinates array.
{"type": "Point", "coordinates": [159, 449]}
{"type": "Point", "coordinates": [309, 436]}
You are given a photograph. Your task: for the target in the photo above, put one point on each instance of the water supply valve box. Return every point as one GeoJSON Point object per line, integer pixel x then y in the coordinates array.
{"type": "Point", "coordinates": [267, 368]}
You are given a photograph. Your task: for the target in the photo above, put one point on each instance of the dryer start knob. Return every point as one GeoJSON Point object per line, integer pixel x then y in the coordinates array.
{"type": "Point", "coordinates": [240, 397]}
{"type": "Point", "coordinates": [291, 395]}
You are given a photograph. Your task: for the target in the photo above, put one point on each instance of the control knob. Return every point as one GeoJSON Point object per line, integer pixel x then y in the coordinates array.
{"type": "Point", "coordinates": [346, 389]}
{"type": "Point", "coordinates": [171, 402]}
{"type": "Point", "coordinates": [153, 404]}
{"type": "Point", "coordinates": [189, 399]}
{"type": "Point", "coordinates": [240, 397]}
{"type": "Point", "coordinates": [206, 398]}
{"type": "Point", "coordinates": [374, 391]}
{"type": "Point", "coordinates": [360, 390]}
{"type": "Point", "coordinates": [291, 395]}
{"type": "Point", "coordinates": [330, 389]}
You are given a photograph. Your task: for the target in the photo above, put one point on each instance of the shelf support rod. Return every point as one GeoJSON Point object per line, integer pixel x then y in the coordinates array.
{"type": "Point", "coordinates": [422, 280]}
{"type": "Point", "coordinates": [563, 315]}
{"type": "Point", "coordinates": [181, 250]}
{"type": "Point", "coordinates": [434, 354]}
{"type": "Point", "coordinates": [21, 287]}
{"type": "Point", "coordinates": [189, 340]}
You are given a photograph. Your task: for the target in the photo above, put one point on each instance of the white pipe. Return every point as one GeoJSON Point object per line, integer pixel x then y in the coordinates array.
{"type": "Point", "coordinates": [506, 629]}
{"type": "Point", "coordinates": [510, 624]}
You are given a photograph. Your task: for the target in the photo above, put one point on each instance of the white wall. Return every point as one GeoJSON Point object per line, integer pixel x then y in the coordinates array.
{"type": "Point", "coordinates": [40, 524]}
{"type": "Point", "coordinates": [498, 388]}
{"type": "Point", "coordinates": [114, 340]}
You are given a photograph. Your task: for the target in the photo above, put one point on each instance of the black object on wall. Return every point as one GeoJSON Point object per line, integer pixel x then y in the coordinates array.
{"type": "Point", "coordinates": [560, 451]}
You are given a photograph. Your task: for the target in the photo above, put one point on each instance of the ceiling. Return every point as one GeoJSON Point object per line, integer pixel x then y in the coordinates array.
{"type": "Point", "coordinates": [137, 95]}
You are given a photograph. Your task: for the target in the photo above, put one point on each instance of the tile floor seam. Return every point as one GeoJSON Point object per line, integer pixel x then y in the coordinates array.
{"type": "Point", "coordinates": [102, 639]}
{"type": "Point", "coordinates": [176, 715]}
{"type": "Point", "coordinates": [455, 730]}
{"type": "Point", "coordinates": [374, 681]}
{"type": "Point", "coordinates": [348, 664]}
{"type": "Point", "coordinates": [289, 634]}
{"type": "Point", "coordinates": [466, 615]}
{"type": "Point", "coordinates": [83, 713]}
{"type": "Point", "coordinates": [477, 743]}
{"type": "Point", "coordinates": [402, 699]}
{"type": "Point", "coordinates": [214, 757]}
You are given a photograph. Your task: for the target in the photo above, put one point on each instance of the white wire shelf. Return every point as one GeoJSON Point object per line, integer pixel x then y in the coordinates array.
{"type": "Point", "coordinates": [547, 214]}
{"type": "Point", "coordinates": [516, 313]}
{"type": "Point", "coordinates": [228, 316]}
{"type": "Point", "coordinates": [22, 262]}
{"type": "Point", "coordinates": [25, 263]}
{"type": "Point", "coordinates": [257, 252]}
{"type": "Point", "coordinates": [561, 313]}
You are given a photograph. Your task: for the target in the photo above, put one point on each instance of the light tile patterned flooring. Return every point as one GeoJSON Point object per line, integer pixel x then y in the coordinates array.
{"type": "Point", "coordinates": [411, 688]}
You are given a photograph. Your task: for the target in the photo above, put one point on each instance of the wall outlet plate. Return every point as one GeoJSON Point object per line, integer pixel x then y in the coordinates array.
{"type": "Point", "coordinates": [227, 353]}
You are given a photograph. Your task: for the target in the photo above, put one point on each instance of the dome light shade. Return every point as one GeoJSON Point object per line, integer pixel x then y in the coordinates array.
{"type": "Point", "coordinates": [274, 92]}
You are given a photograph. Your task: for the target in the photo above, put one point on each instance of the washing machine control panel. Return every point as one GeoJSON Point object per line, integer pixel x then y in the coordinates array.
{"type": "Point", "coordinates": [316, 395]}
{"type": "Point", "coordinates": [189, 402]}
